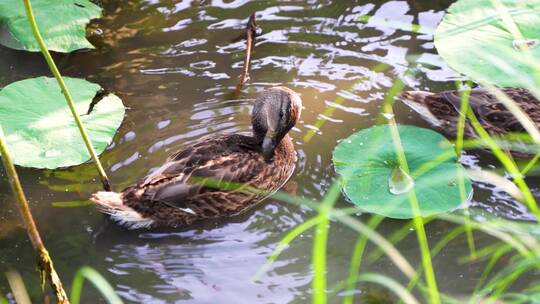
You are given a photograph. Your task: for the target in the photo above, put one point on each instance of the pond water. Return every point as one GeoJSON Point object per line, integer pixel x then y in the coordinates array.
{"type": "Point", "coordinates": [175, 64]}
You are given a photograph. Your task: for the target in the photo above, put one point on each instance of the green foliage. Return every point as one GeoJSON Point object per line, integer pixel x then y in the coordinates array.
{"type": "Point", "coordinates": [40, 128]}
{"type": "Point", "coordinates": [71, 204]}
{"type": "Point", "coordinates": [367, 161]}
{"type": "Point", "coordinates": [487, 40]}
{"type": "Point", "coordinates": [62, 24]}
{"type": "Point", "coordinates": [97, 280]}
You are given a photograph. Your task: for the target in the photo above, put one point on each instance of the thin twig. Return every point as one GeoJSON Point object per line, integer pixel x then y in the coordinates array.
{"type": "Point", "coordinates": [67, 95]}
{"type": "Point", "coordinates": [251, 32]}
{"type": "Point", "coordinates": [44, 260]}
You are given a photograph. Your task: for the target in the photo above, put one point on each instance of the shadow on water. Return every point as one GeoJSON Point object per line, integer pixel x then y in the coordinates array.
{"type": "Point", "coordinates": [175, 64]}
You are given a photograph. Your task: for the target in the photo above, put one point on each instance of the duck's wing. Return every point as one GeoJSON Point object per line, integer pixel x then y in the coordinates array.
{"type": "Point", "coordinates": [491, 112]}
{"type": "Point", "coordinates": [226, 163]}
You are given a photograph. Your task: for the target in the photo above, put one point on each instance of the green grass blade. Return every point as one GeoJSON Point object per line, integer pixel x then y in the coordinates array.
{"type": "Point", "coordinates": [397, 258]}
{"type": "Point", "coordinates": [429, 273]}
{"type": "Point", "coordinates": [284, 244]}
{"type": "Point", "coordinates": [320, 242]}
{"type": "Point", "coordinates": [97, 280]}
{"type": "Point", "coordinates": [503, 249]}
{"type": "Point", "coordinates": [459, 146]}
{"type": "Point", "coordinates": [402, 293]}
{"type": "Point", "coordinates": [356, 259]}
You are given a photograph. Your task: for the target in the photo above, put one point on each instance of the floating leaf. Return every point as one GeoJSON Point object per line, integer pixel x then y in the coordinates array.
{"type": "Point", "coordinates": [62, 24]}
{"type": "Point", "coordinates": [373, 180]}
{"type": "Point", "coordinates": [476, 39]}
{"type": "Point", "coordinates": [40, 130]}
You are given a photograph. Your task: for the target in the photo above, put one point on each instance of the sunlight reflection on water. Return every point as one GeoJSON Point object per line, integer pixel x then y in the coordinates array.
{"type": "Point", "coordinates": [175, 64]}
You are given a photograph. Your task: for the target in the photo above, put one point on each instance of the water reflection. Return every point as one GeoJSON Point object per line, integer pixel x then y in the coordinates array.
{"type": "Point", "coordinates": [209, 264]}
{"type": "Point", "coordinates": [175, 64]}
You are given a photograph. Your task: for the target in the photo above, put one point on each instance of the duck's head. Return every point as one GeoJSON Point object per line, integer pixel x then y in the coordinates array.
{"type": "Point", "coordinates": [276, 111]}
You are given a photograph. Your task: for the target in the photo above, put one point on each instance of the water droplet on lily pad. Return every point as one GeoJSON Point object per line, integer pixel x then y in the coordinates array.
{"type": "Point", "coordinates": [374, 182]}
{"type": "Point", "coordinates": [400, 182]}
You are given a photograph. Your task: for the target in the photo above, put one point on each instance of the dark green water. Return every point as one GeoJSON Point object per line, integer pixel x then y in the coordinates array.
{"type": "Point", "coordinates": [175, 65]}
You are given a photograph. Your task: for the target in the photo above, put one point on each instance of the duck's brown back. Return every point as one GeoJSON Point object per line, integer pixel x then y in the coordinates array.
{"type": "Point", "coordinates": [220, 175]}
{"type": "Point", "coordinates": [491, 112]}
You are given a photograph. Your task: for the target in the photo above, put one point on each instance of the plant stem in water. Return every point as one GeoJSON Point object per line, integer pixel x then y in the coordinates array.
{"type": "Point", "coordinates": [44, 260]}
{"type": "Point", "coordinates": [251, 32]}
{"type": "Point", "coordinates": [67, 95]}
{"type": "Point", "coordinates": [429, 273]}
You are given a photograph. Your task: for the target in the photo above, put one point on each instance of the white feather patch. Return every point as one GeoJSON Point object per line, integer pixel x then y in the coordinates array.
{"type": "Point", "coordinates": [131, 219]}
{"type": "Point", "coordinates": [111, 203]}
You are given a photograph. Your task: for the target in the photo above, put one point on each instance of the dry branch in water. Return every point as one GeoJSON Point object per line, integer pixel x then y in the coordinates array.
{"type": "Point", "coordinates": [251, 32]}
{"type": "Point", "coordinates": [45, 263]}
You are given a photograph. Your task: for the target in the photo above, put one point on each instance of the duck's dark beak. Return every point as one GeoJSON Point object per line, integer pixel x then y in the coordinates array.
{"type": "Point", "coordinates": [268, 146]}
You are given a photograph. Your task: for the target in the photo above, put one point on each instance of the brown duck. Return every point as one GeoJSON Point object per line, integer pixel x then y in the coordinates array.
{"type": "Point", "coordinates": [442, 110]}
{"type": "Point", "coordinates": [217, 175]}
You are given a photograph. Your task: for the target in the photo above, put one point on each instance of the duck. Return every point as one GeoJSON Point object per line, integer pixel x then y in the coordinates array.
{"type": "Point", "coordinates": [219, 175]}
{"type": "Point", "coordinates": [443, 111]}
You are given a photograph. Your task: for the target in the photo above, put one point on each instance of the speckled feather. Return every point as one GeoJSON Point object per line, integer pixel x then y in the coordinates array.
{"type": "Point", "coordinates": [491, 113]}
{"type": "Point", "coordinates": [235, 159]}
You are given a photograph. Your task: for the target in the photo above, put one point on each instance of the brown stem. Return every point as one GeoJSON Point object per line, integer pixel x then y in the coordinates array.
{"type": "Point", "coordinates": [251, 32]}
{"type": "Point", "coordinates": [45, 263]}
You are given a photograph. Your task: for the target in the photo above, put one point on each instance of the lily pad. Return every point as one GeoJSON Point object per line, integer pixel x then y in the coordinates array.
{"type": "Point", "coordinates": [474, 40]}
{"type": "Point", "coordinates": [62, 23]}
{"type": "Point", "coordinates": [373, 180]}
{"type": "Point", "coordinates": [40, 130]}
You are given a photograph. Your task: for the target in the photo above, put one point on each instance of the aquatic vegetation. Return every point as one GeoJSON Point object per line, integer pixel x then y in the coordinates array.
{"type": "Point", "coordinates": [64, 34]}
{"type": "Point", "coordinates": [493, 41]}
{"type": "Point", "coordinates": [496, 260]}
{"type": "Point", "coordinates": [97, 280]}
{"type": "Point", "coordinates": [35, 128]}
{"type": "Point", "coordinates": [41, 130]}
{"type": "Point", "coordinates": [44, 261]}
{"type": "Point", "coordinates": [375, 182]}
{"type": "Point", "coordinates": [66, 92]}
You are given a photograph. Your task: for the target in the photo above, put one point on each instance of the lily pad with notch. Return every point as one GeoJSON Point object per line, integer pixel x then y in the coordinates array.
{"type": "Point", "coordinates": [40, 130]}
{"type": "Point", "coordinates": [62, 24]}
{"type": "Point", "coordinates": [496, 42]}
{"type": "Point", "coordinates": [374, 181]}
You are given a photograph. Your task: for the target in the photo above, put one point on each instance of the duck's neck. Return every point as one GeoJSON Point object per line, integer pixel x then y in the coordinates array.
{"type": "Point", "coordinates": [284, 143]}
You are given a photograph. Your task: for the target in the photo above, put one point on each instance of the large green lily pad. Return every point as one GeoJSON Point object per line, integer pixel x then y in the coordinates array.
{"type": "Point", "coordinates": [368, 163]}
{"type": "Point", "coordinates": [62, 24]}
{"type": "Point", "coordinates": [40, 130]}
{"type": "Point", "coordinates": [474, 39]}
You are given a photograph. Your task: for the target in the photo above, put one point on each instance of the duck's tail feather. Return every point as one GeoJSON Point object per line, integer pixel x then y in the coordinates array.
{"type": "Point", "coordinates": [112, 203]}
{"type": "Point", "coordinates": [416, 100]}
